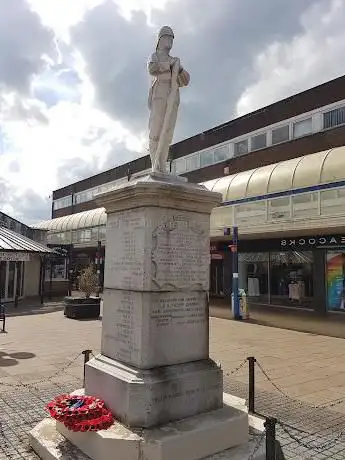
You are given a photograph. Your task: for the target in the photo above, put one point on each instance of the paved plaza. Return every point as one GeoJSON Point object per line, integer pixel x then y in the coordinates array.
{"type": "Point", "coordinates": [40, 357]}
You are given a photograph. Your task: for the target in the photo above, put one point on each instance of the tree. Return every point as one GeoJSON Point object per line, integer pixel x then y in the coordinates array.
{"type": "Point", "coordinates": [88, 281]}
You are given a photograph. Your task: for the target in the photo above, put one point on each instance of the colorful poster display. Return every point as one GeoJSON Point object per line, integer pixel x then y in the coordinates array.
{"type": "Point", "coordinates": [335, 280]}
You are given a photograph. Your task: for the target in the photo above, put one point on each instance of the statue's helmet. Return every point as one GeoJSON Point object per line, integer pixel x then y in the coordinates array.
{"type": "Point", "coordinates": [165, 31]}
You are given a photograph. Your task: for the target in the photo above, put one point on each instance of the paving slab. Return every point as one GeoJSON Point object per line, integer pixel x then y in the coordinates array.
{"type": "Point", "coordinates": [47, 348]}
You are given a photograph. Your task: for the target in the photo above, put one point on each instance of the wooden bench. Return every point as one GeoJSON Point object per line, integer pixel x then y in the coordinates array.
{"type": "Point", "coordinates": [3, 317]}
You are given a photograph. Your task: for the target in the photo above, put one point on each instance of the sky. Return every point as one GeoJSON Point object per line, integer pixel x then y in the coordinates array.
{"type": "Point", "coordinates": [74, 83]}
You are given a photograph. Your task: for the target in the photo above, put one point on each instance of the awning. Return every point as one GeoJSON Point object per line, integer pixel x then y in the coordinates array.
{"type": "Point", "coordinates": [12, 241]}
{"type": "Point", "coordinates": [84, 219]}
{"type": "Point", "coordinates": [309, 170]}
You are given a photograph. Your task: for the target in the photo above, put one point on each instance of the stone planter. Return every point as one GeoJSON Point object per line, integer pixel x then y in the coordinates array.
{"type": "Point", "coordinates": [82, 308]}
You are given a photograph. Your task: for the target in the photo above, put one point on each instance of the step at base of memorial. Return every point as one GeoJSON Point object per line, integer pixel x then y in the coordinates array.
{"type": "Point", "coordinates": [151, 397]}
{"type": "Point", "coordinates": [216, 435]}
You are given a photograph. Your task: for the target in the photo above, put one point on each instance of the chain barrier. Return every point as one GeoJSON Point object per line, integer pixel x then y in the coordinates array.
{"type": "Point", "coordinates": [236, 369]}
{"type": "Point", "coordinates": [297, 435]}
{"type": "Point", "coordinates": [331, 403]}
{"type": "Point", "coordinates": [44, 379]}
{"type": "Point", "coordinates": [9, 443]}
{"type": "Point", "coordinates": [310, 445]}
{"type": "Point", "coordinates": [317, 442]}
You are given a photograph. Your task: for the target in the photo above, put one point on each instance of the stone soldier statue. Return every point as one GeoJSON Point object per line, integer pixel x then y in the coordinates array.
{"type": "Point", "coordinates": [164, 98]}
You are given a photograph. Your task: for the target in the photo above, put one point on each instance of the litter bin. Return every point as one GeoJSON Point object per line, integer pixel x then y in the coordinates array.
{"type": "Point", "coordinates": [244, 313]}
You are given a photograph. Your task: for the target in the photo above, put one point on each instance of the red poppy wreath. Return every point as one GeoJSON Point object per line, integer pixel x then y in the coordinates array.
{"type": "Point", "coordinates": [80, 413]}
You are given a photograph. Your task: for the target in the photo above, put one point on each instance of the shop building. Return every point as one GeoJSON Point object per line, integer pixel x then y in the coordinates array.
{"type": "Point", "coordinates": [21, 263]}
{"type": "Point", "coordinates": [311, 121]}
{"type": "Point", "coordinates": [275, 188]}
{"type": "Point", "coordinates": [308, 122]}
{"type": "Point", "coordinates": [291, 221]}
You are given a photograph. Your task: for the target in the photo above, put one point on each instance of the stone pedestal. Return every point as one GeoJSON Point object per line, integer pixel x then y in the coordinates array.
{"type": "Point", "coordinates": [147, 398]}
{"type": "Point", "coordinates": [154, 370]}
{"type": "Point", "coordinates": [154, 366]}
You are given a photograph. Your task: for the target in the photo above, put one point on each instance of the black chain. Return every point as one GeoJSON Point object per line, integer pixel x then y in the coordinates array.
{"type": "Point", "coordinates": [237, 369]}
{"type": "Point", "coordinates": [310, 445]}
{"type": "Point", "coordinates": [44, 379]}
{"type": "Point", "coordinates": [332, 403]}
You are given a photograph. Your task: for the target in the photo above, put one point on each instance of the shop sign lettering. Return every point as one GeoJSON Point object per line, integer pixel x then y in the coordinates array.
{"type": "Point", "coordinates": [14, 256]}
{"type": "Point", "coordinates": [317, 241]}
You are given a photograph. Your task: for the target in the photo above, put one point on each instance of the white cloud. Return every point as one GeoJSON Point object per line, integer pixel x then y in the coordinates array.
{"type": "Point", "coordinates": [61, 15]}
{"type": "Point", "coordinates": [310, 58]}
{"type": "Point", "coordinates": [40, 149]}
{"type": "Point", "coordinates": [39, 138]}
{"type": "Point", "coordinates": [59, 126]}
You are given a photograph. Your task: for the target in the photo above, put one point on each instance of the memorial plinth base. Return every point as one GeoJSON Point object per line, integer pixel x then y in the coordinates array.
{"type": "Point", "coordinates": [203, 436]}
{"type": "Point", "coordinates": [147, 398]}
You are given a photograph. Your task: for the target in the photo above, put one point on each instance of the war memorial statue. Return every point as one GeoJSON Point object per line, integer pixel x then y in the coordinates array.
{"type": "Point", "coordinates": [154, 375]}
{"type": "Point", "coordinates": [168, 76]}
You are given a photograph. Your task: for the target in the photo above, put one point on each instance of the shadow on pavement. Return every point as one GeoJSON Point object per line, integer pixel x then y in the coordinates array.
{"type": "Point", "coordinates": [12, 359]}
{"type": "Point", "coordinates": [33, 309]}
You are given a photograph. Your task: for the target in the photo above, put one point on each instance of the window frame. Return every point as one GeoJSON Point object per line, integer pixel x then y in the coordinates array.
{"type": "Point", "coordinates": [280, 128]}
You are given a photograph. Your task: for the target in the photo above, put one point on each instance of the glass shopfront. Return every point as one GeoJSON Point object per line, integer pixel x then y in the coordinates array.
{"type": "Point", "coordinates": [303, 272]}
{"type": "Point", "coordinates": [278, 278]}
{"type": "Point", "coordinates": [253, 268]}
{"type": "Point", "coordinates": [11, 280]}
{"type": "Point", "coordinates": [217, 273]}
{"type": "Point", "coordinates": [335, 280]}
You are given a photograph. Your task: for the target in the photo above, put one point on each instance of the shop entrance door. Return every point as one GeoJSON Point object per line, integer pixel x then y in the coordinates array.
{"type": "Point", "coordinates": [3, 270]}
{"type": "Point", "coordinates": [11, 280]}
{"type": "Point", "coordinates": [217, 276]}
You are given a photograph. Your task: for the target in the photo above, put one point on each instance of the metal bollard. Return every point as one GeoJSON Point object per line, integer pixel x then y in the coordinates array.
{"type": "Point", "coordinates": [251, 385]}
{"type": "Point", "coordinates": [86, 354]}
{"type": "Point", "coordinates": [270, 427]}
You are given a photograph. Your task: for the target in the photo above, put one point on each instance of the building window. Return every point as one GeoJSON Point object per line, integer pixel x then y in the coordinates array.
{"type": "Point", "coordinates": [180, 166]}
{"type": "Point", "coordinates": [334, 117]}
{"type": "Point", "coordinates": [279, 208]}
{"type": "Point", "coordinates": [303, 128]}
{"type": "Point", "coordinates": [305, 204]}
{"type": "Point", "coordinates": [291, 278]}
{"type": "Point", "coordinates": [221, 217]}
{"type": "Point", "coordinates": [254, 276]}
{"type": "Point", "coordinates": [94, 234]}
{"type": "Point", "coordinates": [221, 153]}
{"type": "Point", "coordinates": [280, 134]}
{"type": "Point", "coordinates": [193, 163]}
{"type": "Point", "coordinates": [206, 158]}
{"type": "Point", "coordinates": [278, 278]}
{"type": "Point", "coordinates": [332, 202]}
{"type": "Point", "coordinates": [259, 141]}
{"type": "Point", "coordinates": [85, 235]}
{"type": "Point", "coordinates": [102, 233]}
{"type": "Point", "coordinates": [62, 203]}
{"type": "Point", "coordinates": [241, 148]}
{"type": "Point", "coordinates": [250, 213]}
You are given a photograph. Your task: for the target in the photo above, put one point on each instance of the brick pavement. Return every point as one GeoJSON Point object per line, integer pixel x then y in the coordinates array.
{"type": "Point", "coordinates": [306, 367]}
